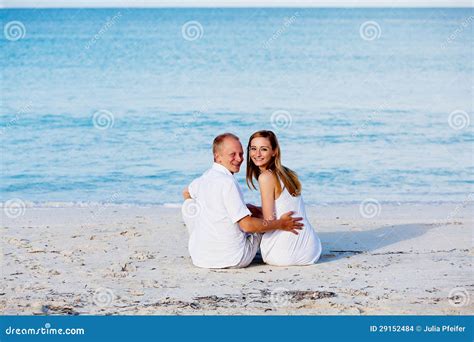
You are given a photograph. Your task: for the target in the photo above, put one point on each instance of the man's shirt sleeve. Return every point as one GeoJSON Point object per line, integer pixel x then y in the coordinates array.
{"type": "Point", "coordinates": [234, 203]}
{"type": "Point", "coordinates": [193, 188]}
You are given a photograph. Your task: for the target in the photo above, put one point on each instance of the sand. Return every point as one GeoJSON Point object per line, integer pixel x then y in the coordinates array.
{"type": "Point", "coordinates": [409, 259]}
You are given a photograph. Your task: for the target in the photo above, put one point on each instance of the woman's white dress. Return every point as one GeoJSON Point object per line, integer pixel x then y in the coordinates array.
{"type": "Point", "coordinates": [282, 248]}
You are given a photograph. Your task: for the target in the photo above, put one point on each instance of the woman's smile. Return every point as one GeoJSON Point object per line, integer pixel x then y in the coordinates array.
{"type": "Point", "coordinates": [261, 151]}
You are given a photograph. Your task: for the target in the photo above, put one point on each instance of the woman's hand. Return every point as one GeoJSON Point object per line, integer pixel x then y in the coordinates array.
{"type": "Point", "coordinates": [289, 223]}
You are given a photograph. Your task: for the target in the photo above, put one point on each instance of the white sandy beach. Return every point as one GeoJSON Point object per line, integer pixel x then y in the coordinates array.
{"type": "Point", "coordinates": [410, 259]}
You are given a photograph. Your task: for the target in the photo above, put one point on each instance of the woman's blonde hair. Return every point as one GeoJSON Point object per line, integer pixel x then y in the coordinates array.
{"type": "Point", "coordinates": [285, 175]}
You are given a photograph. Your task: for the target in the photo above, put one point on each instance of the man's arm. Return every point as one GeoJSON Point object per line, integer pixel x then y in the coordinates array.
{"type": "Point", "coordinates": [286, 222]}
{"type": "Point", "coordinates": [256, 211]}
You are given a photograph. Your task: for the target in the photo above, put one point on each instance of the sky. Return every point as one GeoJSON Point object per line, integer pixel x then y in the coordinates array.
{"type": "Point", "coordinates": [234, 3]}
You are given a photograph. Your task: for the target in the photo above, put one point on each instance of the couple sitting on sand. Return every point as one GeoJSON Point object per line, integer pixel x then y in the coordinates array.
{"type": "Point", "coordinates": [224, 232]}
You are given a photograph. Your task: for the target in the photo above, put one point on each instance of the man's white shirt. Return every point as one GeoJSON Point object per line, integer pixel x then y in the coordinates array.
{"type": "Point", "coordinates": [216, 240]}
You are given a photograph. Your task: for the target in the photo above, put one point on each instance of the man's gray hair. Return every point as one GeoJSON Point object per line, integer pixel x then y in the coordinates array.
{"type": "Point", "coordinates": [220, 139]}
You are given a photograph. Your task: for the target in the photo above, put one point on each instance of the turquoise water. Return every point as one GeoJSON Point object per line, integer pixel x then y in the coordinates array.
{"type": "Point", "coordinates": [360, 114]}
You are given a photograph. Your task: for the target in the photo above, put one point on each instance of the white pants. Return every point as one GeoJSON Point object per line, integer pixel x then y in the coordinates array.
{"type": "Point", "coordinates": [252, 242]}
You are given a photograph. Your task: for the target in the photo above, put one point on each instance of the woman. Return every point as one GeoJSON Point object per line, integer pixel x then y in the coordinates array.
{"type": "Point", "coordinates": [280, 192]}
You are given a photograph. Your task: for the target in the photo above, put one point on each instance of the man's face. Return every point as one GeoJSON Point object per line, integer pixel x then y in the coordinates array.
{"type": "Point", "coordinates": [230, 155]}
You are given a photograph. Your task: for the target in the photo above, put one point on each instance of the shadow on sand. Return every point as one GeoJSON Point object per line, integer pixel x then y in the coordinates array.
{"type": "Point", "coordinates": [341, 244]}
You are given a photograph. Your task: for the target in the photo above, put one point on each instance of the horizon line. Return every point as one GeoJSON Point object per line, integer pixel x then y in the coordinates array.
{"type": "Point", "coordinates": [235, 7]}
{"type": "Point", "coordinates": [37, 4]}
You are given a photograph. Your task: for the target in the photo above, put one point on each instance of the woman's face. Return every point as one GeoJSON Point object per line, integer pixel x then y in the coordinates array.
{"type": "Point", "coordinates": [261, 152]}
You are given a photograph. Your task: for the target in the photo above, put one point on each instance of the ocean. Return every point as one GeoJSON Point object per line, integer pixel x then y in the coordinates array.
{"type": "Point", "coordinates": [122, 105]}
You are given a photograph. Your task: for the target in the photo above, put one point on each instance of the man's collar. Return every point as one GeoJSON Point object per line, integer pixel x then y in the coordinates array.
{"type": "Point", "coordinates": [221, 168]}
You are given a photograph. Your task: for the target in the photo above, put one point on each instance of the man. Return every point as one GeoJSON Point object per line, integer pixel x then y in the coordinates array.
{"type": "Point", "coordinates": [222, 231]}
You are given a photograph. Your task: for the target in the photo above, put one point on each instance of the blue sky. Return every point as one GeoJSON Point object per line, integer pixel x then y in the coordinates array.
{"type": "Point", "coordinates": [234, 3]}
